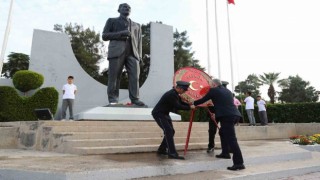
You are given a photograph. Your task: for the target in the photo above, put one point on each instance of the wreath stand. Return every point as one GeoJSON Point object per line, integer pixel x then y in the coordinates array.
{"type": "Point", "coordinates": [212, 117]}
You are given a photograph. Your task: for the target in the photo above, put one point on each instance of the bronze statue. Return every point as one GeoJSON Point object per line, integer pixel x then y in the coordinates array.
{"type": "Point", "coordinates": [125, 49]}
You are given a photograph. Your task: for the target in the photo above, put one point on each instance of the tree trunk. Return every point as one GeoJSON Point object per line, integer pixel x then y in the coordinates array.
{"type": "Point", "coordinates": [271, 93]}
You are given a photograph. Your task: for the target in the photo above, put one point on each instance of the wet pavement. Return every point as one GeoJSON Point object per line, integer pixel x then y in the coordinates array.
{"type": "Point", "coordinates": [262, 158]}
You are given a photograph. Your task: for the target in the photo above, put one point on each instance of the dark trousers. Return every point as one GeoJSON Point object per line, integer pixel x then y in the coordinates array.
{"type": "Point", "coordinates": [263, 117]}
{"type": "Point", "coordinates": [212, 132]}
{"type": "Point", "coordinates": [165, 123]}
{"type": "Point", "coordinates": [67, 103]}
{"type": "Point", "coordinates": [228, 138]}
{"type": "Point", "coordinates": [116, 65]}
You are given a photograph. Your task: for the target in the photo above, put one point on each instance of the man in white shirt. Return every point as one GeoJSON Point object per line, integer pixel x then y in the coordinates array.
{"type": "Point", "coordinates": [69, 91]}
{"type": "Point", "coordinates": [262, 111]}
{"type": "Point", "coordinates": [250, 108]}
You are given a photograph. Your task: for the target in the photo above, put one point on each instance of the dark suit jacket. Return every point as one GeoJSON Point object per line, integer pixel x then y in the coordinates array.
{"type": "Point", "coordinates": [114, 31]}
{"type": "Point", "coordinates": [223, 102]}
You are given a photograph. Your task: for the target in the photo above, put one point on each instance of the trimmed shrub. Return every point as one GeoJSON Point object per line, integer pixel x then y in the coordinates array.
{"type": "Point", "coordinates": [277, 113]}
{"type": "Point", "coordinates": [10, 99]}
{"type": "Point", "coordinates": [26, 80]}
{"type": "Point", "coordinates": [16, 108]}
{"type": "Point", "coordinates": [294, 113]}
{"type": "Point", "coordinates": [199, 116]}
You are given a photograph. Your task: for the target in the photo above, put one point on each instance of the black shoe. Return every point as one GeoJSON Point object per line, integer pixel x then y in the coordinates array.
{"type": "Point", "coordinates": [210, 150]}
{"type": "Point", "coordinates": [138, 103]}
{"type": "Point", "coordinates": [236, 167]}
{"type": "Point", "coordinates": [175, 156]}
{"type": "Point", "coordinates": [223, 156]}
{"type": "Point", "coordinates": [162, 152]}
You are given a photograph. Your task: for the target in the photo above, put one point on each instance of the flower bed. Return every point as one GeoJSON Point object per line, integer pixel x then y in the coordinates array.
{"type": "Point", "coordinates": [305, 139]}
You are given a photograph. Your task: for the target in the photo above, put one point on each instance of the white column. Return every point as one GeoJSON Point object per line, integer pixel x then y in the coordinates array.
{"type": "Point", "coordinates": [208, 39]}
{"type": "Point", "coordinates": [5, 39]}
{"type": "Point", "coordinates": [217, 36]}
{"type": "Point", "coordinates": [230, 49]}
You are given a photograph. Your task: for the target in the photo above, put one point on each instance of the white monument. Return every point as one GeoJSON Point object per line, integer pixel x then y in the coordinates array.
{"type": "Point", "coordinates": [52, 56]}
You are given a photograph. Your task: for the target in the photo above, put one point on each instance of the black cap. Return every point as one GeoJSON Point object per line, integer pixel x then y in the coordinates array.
{"type": "Point", "coordinates": [183, 85]}
{"type": "Point", "coordinates": [224, 83]}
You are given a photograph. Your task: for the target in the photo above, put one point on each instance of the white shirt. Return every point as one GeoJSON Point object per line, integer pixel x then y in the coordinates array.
{"type": "Point", "coordinates": [69, 90]}
{"type": "Point", "coordinates": [261, 105]}
{"type": "Point", "coordinates": [249, 102]}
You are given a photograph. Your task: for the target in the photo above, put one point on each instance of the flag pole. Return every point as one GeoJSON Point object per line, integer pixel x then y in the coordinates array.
{"type": "Point", "coordinates": [230, 48]}
{"type": "Point", "coordinates": [208, 39]}
{"type": "Point", "coordinates": [5, 39]}
{"type": "Point", "coordinates": [217, 37]}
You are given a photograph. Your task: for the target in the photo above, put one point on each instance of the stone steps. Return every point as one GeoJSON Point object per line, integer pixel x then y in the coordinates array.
{"type": "Point", "coordinates": [119, 123]}
{"type": "Point", "coordinates": [125, 135]}
{"type": "Point", "coordinates": [118, 126]}
{"type": "Point", "coordinates": [106, 137]}
{"type": "Point", "coordinates": [133, 148]}
{"type": "Point", "coordinates": [128, 142]}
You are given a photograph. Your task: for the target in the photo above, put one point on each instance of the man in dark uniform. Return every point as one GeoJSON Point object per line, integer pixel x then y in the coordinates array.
{"type": "Point", "coordinates": [227, 113]}
{"type": "Point", "coordinates": [170, 102]}
{"type": "Point", "coordinates": [212, 126]}
{"type": "Point", "coordinates": [125, 49]}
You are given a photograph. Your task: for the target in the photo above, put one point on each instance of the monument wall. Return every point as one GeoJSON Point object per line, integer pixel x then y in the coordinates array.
{"type": "Point", "coordinates": [52, 56]}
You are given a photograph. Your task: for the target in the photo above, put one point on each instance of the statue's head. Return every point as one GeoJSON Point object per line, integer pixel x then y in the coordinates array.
{"type": "Point", "coordinates": [124, 9]}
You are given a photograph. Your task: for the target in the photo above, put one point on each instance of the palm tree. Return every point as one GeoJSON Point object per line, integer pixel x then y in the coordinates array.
{"type": "Point", "coordinates": [269, 79]}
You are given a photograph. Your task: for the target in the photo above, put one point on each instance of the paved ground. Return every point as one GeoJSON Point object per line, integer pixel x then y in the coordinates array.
{"type": "Point", "coordinates": [263, 160]}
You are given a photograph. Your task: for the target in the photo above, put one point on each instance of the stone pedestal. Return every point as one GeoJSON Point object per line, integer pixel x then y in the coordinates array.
{"type": "Point", "coordinates": [119, 113]}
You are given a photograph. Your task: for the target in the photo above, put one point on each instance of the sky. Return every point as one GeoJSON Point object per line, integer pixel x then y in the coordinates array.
{"type": "Point", "coordinates": [266, 36]}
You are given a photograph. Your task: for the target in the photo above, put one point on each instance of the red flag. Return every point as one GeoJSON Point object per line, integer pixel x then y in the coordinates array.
{"type": "Point", "coordinates": [231, 1]}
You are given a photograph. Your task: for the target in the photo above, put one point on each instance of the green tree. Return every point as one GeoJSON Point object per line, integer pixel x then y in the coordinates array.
{"type": "Point", "coordinates": [86, 45]}
{"type": "Point", "coordinates": [182, 52]}
{"type": "Point", "coordinates": [16, 62]}
{"type": "Point", "coordinates": [145, 64]}
{"type": "Point", "coordinates": [296, 90]}
{"type": "Point", "coordinates": [252, 84]}
{"type": "Point", "coordinates": [269, 79]}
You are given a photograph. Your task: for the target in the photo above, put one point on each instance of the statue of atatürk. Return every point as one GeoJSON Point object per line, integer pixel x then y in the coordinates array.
{"type": "Point", "coordinates": [125, 49]}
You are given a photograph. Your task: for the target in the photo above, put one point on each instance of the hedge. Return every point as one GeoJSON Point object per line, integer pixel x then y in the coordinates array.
{"type": "Point", "coordinates": [277, 113]}
{"type": "Point", "coordinates": [25, 80]}
{"type": "Point", "coordinates": [20, 108]}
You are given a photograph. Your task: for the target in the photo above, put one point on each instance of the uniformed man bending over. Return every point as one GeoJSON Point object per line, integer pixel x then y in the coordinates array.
{"type": "Point", "coordinates": [227, 113]}
{"type": "Point", "coordinates": [170, 102]}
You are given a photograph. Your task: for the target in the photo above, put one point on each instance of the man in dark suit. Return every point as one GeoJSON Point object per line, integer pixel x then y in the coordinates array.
{"type": "Point", "coordinates": [212, 126]}
{"type": "Point", "coordinates": [125, 49]}
{"type": "Point", "coordinates": [227, 113]}
{"type": "Point", "coordinates": [170, 102]}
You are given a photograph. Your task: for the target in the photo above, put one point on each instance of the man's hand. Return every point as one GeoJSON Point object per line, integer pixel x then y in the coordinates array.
{"type": "Point", "coordinates": [125, 33]}
{"type": "Point", "coordinates": [210, 103]}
